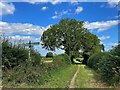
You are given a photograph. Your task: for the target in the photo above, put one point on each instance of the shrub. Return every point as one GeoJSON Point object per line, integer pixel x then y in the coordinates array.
{"type": "Point", "coordinates": [49, 55]}
{"type": "Point", "coordinates": [18, 70]}
{"type": "Point", "coordinates": [29, 74]}
{"type": "Point", "coordinates": [116, 50]}
{"type": "Point", "coordinates": [12, 55]}
{"type": "Point", "coordinates": [24, 73]}
{"type": "Point", "coordinates": [62, 59]}
{"type": "Point", "coordinates": [66, 58]}
{"type": "Point", "coordinates": [108, 65]}
{"type": "Point", "coordinates": [36, 57]}
{"type": "Point", "coordinates": [94, 60]}
{"type": "Point", "coordinates": [109, 68]}
{"type": "Point", "coordinates": [15, 54]}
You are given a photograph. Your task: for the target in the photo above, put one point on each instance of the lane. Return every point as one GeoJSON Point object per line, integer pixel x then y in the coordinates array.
{"type": "Point", "coordinates": [88, 78]}
{"type": "Point", "coordinates": [72, 83]}
{"type": "Point", "coordinates": [60, 78]}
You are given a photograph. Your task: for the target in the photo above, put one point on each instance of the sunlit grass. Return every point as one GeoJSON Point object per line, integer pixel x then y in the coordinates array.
{"type": "Point", "coordinates": [61, 78]}
{"type": "Point", "coordinates": [47, 60]}
{"type": "Point", "coordinates": [78, 60]}
{"type": "Point", "coordinates": [88, 78]}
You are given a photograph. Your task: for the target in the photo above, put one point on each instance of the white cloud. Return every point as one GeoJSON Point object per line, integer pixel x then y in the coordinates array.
{"type": "Point", "coordinates": [112, 44]}
{"type": "Point", "coordinates": [74, 2]}
{"type": "Point", "coordinates": [18, 38]}
{"type": "Point", "coordinates": [60, 14]}
{"type": "Point", "coordinates": [44, 1]}
{"type": "Point", "coordinates": [113, 3]}
{"type": "Point", "coordinates": [20, 28]}
{"type": "Point", "coordinates": [55, 1]}
{"type": "Point", "coordinates": [54, 17]}
{"type": "Point", "coordinates": [78, 10]}
{"type": "Point", "coordinates": [118, 16]}
{"type": "Point", "coordinates": [6, 8]}
{"type": "Point", "coordinates": [109, 45]}
{"type": "Point", "coordinates": [33, 1]}
{"type": "Point", "coordinates": [44, 8]}
{"type": "Point", "coordinates": [101, 26]}
{"type": "Point", "coordinates": [64, 12]}
{"type": "Point", "coordinates": [104, 37]}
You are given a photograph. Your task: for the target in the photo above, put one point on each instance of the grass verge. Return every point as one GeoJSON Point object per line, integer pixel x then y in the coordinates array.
{"type": "Point", "coordinates": [60, 78]}
{"type": "Point", "coordinates": [88, 78]}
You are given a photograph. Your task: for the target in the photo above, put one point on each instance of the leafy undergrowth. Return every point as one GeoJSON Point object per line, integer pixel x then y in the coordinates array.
{"type": "Point", "coordinates": [88, 78]}
{"type": "Point", "coordinates": [30, 75]}
{"type": "Point", "coordinates": [56, 78]}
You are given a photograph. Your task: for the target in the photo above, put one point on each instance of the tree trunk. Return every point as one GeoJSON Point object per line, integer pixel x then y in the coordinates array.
{"type": "Point", "coordinates": [86, 57]}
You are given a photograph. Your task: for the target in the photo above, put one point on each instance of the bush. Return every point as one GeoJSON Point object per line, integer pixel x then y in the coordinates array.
{"type": "Point", "coordinates": [116, 51]}
{"type": "Point", "coordinates": [109, 67]}
{"type": "Point", "coordinates": [12, 55]}
{"type": "Point", "coordinates": [18, 69]}
{"type": "Point", "coordinates": [94, 60]}
{"type": "Point", "coordinates": [15, 54]}
{"type": "Point", "coordinates": [62, 59]}
{"type": "Point", "coordinates": [36, 57]}
{"type": "Point", "coordinates": [38, 75]}
{"type": "Point", "coordinates": [49, 55]}
{"type": "Point", "coordinates": [25, 73]}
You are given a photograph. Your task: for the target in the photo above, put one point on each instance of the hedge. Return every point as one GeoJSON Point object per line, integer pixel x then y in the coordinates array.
{"type": "Point", "coordinates": [94, 60]}
{"type": "Point", "coordinates": [108, 66]}
{"type": "Point", "coordinates": [15, 54]}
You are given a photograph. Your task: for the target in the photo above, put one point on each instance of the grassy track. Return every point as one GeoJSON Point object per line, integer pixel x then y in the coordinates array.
{"type": "Point", "coordinates": [88, 78]}
{"type": "Point", "coordinates": [61, 78]}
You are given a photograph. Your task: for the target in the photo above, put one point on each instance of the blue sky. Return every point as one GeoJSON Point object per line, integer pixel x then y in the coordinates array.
{"type": "Point", "coordinates": [27, 21]}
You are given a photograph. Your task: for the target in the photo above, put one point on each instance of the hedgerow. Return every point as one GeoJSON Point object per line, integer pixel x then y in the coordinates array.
{"type": "Point", "coordinates": [18, 69]}
{"type": "Point", "coordinates": [108, 65]}
{"type": "Point", "coordinates": [94, 60]}
{"type": "Point", "coordinates": [109, 68]}
{"type": "Point", "coordinates": [14, 54]}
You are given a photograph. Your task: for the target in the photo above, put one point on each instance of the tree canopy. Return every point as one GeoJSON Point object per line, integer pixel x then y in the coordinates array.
{"type": "Point", "coordinates": [69, 35]}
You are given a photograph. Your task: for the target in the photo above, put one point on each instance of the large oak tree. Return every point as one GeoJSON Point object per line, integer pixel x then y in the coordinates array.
{"type": "Point", "coordinates": [71, 36]}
